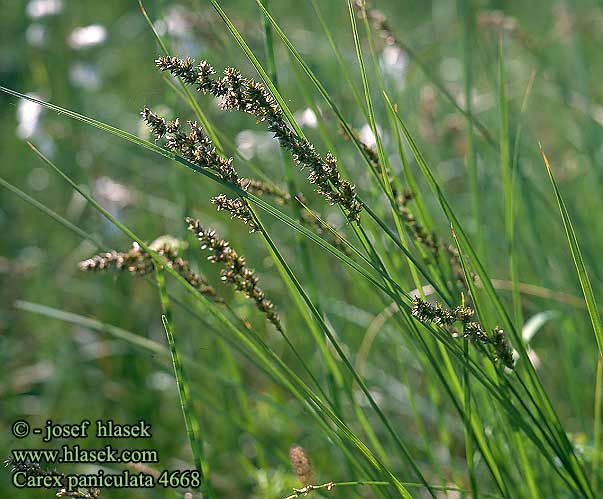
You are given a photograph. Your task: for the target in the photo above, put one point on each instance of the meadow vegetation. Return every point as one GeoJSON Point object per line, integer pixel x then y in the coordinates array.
{"type": "Point", "coordinates": [341, 249]}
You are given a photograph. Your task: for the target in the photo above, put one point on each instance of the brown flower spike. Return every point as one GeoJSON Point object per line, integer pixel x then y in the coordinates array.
{"type": "Point", "coordinates": [246, 95]}
{"type": "Point", "coordinates": [472, 330]}
{"type": "Point", "coordinates": [235, 270]}
{"type": "Point", "coordinates": [138, 261]}
{"type": "Point", "coordinates": [199, 150]}
{"type": "Point", "coordinates": [301, 464]}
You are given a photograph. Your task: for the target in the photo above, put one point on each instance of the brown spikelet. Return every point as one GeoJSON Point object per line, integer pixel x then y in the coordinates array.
{"type": "Point", "coordinates": [235, 270]}
{"type": "Point", "coordinates": [198, 148]}
{"type": "Point", "coordinates": [235, 92]}
{"type": "Point", "coordinates": [137, 261]}
{"type": "Point", "coordinates": [473, 331]}
{"type": "Point", "coordinates": [301, 464]}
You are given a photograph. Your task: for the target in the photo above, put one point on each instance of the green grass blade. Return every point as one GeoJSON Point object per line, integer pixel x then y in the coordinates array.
{"type": "Point", "coordinates": [269, 47]}
{"type": "Point", "coordinates": [466, 13]}
{"type": "Point", "coordinates": [192, 423]}
{"type": "Point", "coordinates": [117, 332]}
{"type": "Point", "coordinates": [572, 240]}
{"type": "Point", "coordinates": [51, 213]}
{"type": "Point", "coordinates": [513, 261]}
{"type": "Point", "coordinates": [587, 290]}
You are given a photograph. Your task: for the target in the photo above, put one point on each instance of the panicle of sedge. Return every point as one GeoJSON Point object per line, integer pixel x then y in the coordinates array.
{"type": "Point", "coordinates": [455, 263]}
{"type": "Point", "coordinates": [370, 152]}
{"type": "Point", "coordinates": [498, 21]}
{"type": "Point", "coordinates": [138, 261]}
{"type": "Point", "coordinates": [133, 261]}
{"type": "Point", "coordinates": [421, 235]}
{"type": "Point", "coordinates": [199, 149]}
{"type": "Point", "coordinates": [301, 464]}
{"type": "Point", "coordinates": [437, 314]}
{"type": "Point", "coordinates": [235, 270]}
{"type": "Point", "coordinates": [472, 330]}
{"type": "Point", "coordinates": [502, 349]}
{"type": "Point", "coordinates": [246, 95]}
{"type": "Point", "coordinates": [428, 239]}
{"type": "Point", "coordinates": [237, 208]}
{"type": "Point", "coordinates": [195, 146]}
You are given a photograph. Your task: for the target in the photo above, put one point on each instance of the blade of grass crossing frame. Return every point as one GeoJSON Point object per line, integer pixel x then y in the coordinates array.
{"type": "Point", "coordinates": [335, 379]}
{"type": "Point", "coordinates": [193, 426]}
{"type": "Point", "coordinates": [590, 300]}
{"type": "Point", "coordinates": [572, 240]}
{"type": "Point", "coordinates": [515, 291]}
{"type": "Point", "coordinates": [467, 15]}
{"type": "Point", "coordinates": [510, 213]}
{"type": "Point", "coordinates": [505, 170]}
{"type": "Point", "coordinates": [467, 405]}
{"type": "Point", "coordinates": [269, 47]}
{"type": "Point", "coordinates": [51, 213]}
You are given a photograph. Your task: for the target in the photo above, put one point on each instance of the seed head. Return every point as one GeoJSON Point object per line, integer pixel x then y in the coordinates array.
{"type": "Point", "coordinates": [502, 349]}
{"type": "Point", "coordinates": [237, 208]}
{"type": "Point", "coordinates": [472, 330]}
{"type": "Point", "coordinates": [235, 270]}
{"type": "Point", "coordinates": [199, 150]}
{"type": "Point", "coordinates": [138, 261]}
{"type": "Point", "coordinates": [301, 464]}
{"type": "Point", "coordinates": [246, 95]}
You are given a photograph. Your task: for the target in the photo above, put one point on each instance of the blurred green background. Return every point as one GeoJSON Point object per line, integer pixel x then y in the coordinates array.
{"type": "Point", "coordinates": [97, 58]}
